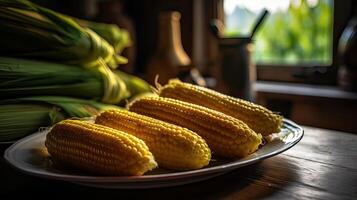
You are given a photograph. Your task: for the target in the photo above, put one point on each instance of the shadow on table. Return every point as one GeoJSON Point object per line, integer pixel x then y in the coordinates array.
{"type": "Point", "coordinates": [251, 182]}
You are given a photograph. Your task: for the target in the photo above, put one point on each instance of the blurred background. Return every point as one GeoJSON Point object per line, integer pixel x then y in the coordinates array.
{"type": "Point", "coordinates": [297, 57]}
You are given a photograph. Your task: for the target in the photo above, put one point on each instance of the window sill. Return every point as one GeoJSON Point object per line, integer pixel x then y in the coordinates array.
{"type": "Point", "coordinates": [306, 90]}
{"type": "Point", "coordinates": [321, 106]}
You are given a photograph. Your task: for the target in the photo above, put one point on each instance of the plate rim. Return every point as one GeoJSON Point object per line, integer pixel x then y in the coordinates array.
{"type": "Point", "coordinates": [146, 178]}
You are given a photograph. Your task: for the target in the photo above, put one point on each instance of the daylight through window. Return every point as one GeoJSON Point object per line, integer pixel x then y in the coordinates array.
{"type": "Point", "coordinates": [295, 32]}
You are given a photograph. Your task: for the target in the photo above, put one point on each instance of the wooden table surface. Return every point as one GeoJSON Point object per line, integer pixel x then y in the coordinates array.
{"type": "Point", "coordinates": [322, 166]}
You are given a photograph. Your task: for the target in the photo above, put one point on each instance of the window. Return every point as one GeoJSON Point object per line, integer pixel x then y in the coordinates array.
{"type": "Point", "coordinates": [292, 64]}
{"type": "Point", "coordinates": [296, 32]}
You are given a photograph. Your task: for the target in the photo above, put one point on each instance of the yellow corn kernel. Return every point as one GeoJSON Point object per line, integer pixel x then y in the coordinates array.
{"type": "Point", "coordinates": [255, 116]}
{"type": "Point", "coordinates": [225, 135]}
{"type": "Point", "coordinates": [174, 147]}
{"type": "Point", "coordinates": [98, 149]}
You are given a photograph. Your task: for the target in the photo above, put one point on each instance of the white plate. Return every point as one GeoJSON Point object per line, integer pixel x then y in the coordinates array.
{"type": "Point", "coordinates": [30, 156]}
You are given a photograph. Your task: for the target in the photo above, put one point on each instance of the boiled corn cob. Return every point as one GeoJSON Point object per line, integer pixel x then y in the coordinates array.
{"type": "Point", "coordinates": [174, 147]}
{"type": "Point", "coordinates": [255, 116]}
{"type": "Point", "coordinates": [225, 135]}
{"type": "Point", "coordinates": [98, 149]}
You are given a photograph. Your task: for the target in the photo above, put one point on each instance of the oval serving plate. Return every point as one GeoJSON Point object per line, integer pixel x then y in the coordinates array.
{"type": "Point", "coordinates": [30, 156]}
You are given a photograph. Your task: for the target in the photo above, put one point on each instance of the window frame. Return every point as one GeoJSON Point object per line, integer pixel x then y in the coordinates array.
{"type": "Point", "coordinates": [311, 74]}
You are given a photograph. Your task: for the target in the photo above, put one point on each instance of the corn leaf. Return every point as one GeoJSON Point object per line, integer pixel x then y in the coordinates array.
{"type": "Point", "coordinates": [30, 31]}
{"type": "Point", "coordinates": [118, 38]}
{"type": "Point", "coordinates": [22, 116]}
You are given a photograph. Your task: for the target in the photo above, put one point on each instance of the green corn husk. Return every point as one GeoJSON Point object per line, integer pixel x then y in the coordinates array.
{"type": "Point", "coordinates": [30, 31]}
{"type": "Point", "coordinates": [135, 85]}
{"type": "Point", "coordinates": [21, 77]}
{"type": "Point", "coordinates": [118, 38]}
{"type": "Point", "coordinates": [22, 116]}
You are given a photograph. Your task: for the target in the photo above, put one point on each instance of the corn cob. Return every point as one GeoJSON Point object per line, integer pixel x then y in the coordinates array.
{"type": "Point", "coordinates": [98, 149]}
{"type": "Point", "coordinates": [255, 116]}
{"type": "Point", "coordinates": [174, 147]}
{"type": "Point", "coordinates": [225, 135]}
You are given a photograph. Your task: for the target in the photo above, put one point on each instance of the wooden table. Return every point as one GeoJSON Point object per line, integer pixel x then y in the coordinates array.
{"type": "Point", "coordinates": [322, 166]}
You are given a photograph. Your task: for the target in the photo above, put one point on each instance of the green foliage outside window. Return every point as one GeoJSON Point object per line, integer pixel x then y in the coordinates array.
{"type": "Point", "coordinates": [300, 35]}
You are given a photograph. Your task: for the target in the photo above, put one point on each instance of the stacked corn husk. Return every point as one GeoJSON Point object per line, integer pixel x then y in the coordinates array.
{"type": "Point", "coordinates": [54, 67]}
